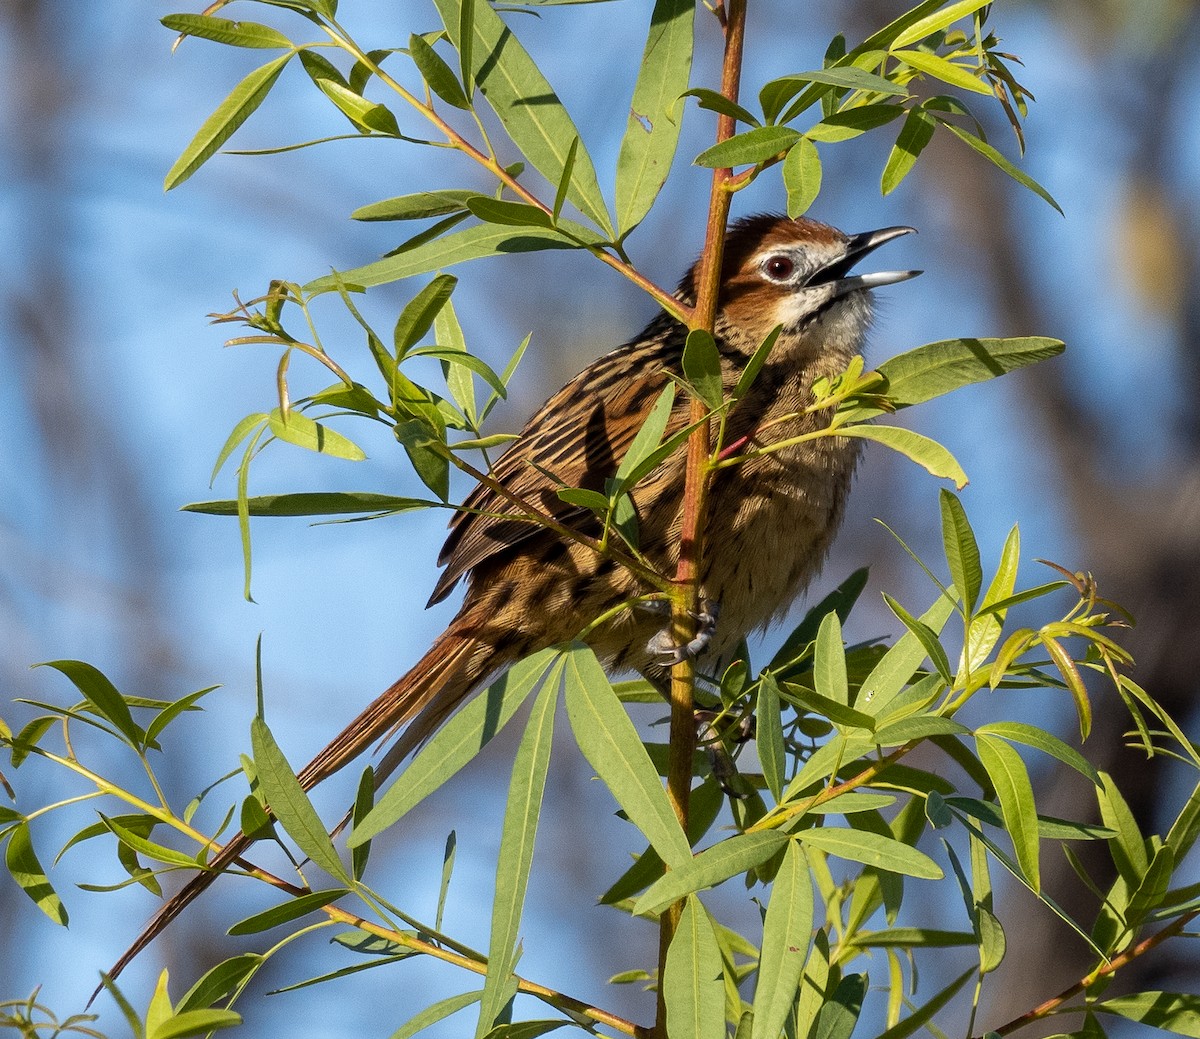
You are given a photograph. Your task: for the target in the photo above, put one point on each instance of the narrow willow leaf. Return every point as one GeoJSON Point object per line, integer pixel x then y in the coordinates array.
{"type": "Point", "coordinates": [418, 206]}
{"type": "Point", "coordinates": [839, 1014]}
{"type": "Point", "coordinates": [26, 870]}
{"type": "Point", "coordinates": [1177, 1012]}
{"type": "Point", "coordinates": [564, 183]}
{"type": "Point", "coordinates": [925, 635]}
{"type": "Point", "coordinates": [289, 802]}
{"type": "Point", "coordinates": [735, 855]}
{"type": "Point", "coordinates": [853, 122]}
{"type": "Point", "coordinates": [993, 156]}
{"type": "Point", "coordinates": [829, 664]}
{"type": "Point", "coordinates": [292, 909]}
{"type": "Point", "coordinates": [224, 122]}
{"type": "Point", "coordinates": [1046, 742]}
{"type": "Point", "coordinates": [919, 727]}
{"type": "Point", "coordinates": [920, 1017]}
{"type": "Point", "coordinates": [1153, 888]}
{"type": "Point", "coordinates": [524, 102]}
{"type": "Point", "coordinates": [940, 68]}
{"type": "Point", "coordinates": [302, 431]}
{"type": "Point", "coordinates": [844, 76]}
{"type": "Point", "coordinates": [515, 857]}
{"type": "Point", "coordinates": [927, 453]}
{"type": "Point", "coordinates": [986, 628]}
{"type": "Point", "coordinates": [932, 23]}
{"type": "Point", "coordinates": [95, 687]}
{"type": "Point", "coordinates": [1128, 848]}
{"type": "Point", "coordinates": [787, 930]}
{"type": "Point", "coordinates": [472, 243]}
{"type": "Point", "coordinates": [768, 735]}
{"type": "Point", "coordinates": [612, 747]}
{"type": "Point", "coordinates": [962, 550]}
{"type": "Point", "coordinates": [749, 146]}
{"type": "Point", "coordinates": [1015, 793]}
{"type": "Point", "coordinates": [702, 367]}
{"type": "Point", "coordinates": [649, 437]}
{"type": "Point", "coordinates": [438, 76]}
{"type": "Point", "coordinates": [715, 101]}
{"type": "Point", "coordinates": [913, 938]}
{"type": "Point", "coordinates": [313, 503]}
{"type": "Point", "coordinates": [754, 365]}
{"type": "Point", "coordinates": [1186, 826]}
{"type": "Point", "coordinates": [449, 335]}
{"type": "Point", "coordinates": [221, 981]}
{"type": "Point", "coordinates": [455, 743]}
{"type": "Point", "coordinates": [655, 113]}
{"type": "Point", "coordinates": [872, 849]}
{"type": "Point", "coordinates": [420, 312]}
{"type": "Point", "coordinates": [801, 176]}
{"type": "Point", "coordinates": [223, 30]}
{"type": "Point", "coordinates": [194, 1022]}
{"type": "Point", "coordinates": [834, 710]}
{"type": "Point", "coordinates": [241, 431]}
{"type": "Point", "coordinates": [130, 837]}
{"type": "Point", "coordinates": [1074, 681]}
{"type": "Point", "coordinates": [914, 135]}
{"type": "Point", "coordinates": [436, 1012]}
{"type": "Point", "coordinates": [510, 214]}
{"type": "Point", "coordinates": [693, 986]}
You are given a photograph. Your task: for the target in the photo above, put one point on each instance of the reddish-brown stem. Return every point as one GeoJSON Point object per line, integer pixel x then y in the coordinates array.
{"type": "Point", "coordinates": [691, 542]}
{"type": "Point", "coordinates": [1111, 967]}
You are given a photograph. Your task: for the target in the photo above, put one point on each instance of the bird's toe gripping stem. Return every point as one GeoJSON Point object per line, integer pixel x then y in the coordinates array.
{"type": "Point", "coordinates": [670, 654]}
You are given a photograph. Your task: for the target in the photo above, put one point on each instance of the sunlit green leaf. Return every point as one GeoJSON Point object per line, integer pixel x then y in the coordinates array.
{"type": "Point", "coordinates": [872, 849]}
{"type": "Point", "coordinates": [787, 928]}
{"type": "Point", "coordinates": [223, 30]}
{"type": "Point", "coordinates": [302, 431]}
{"type": "Point", "coordinates": [292, 909]}
{"type": "Point", "coordinates": [730, 857]}
{"type": "Point", "coordinates": [914, 135]}
{"type": "Point", "coordinates": [693, 987]}
{"type": "Point", "coordinates": [1015, 793]}
{"type": "Point", "coordinates": [927, 453]}
{"type": "Point", "coordinates": [750, 146]}
{"type": "Point", "coordinates": [26, 870]}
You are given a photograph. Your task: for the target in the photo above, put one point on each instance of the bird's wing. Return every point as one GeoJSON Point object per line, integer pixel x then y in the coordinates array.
{"type": "Point", "coordinates": [576, 439]}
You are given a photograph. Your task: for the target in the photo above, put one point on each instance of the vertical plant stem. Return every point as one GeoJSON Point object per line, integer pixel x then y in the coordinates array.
{"type": "Point", "coordinates": [691, 542]}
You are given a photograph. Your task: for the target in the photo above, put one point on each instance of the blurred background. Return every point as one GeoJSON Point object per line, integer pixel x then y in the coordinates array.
{"type": "Point", "coordinates": [118, 396]}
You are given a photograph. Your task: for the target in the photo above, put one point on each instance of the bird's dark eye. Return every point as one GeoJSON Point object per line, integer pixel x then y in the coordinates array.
{"type": "Point", "coordinates": [779, 268]}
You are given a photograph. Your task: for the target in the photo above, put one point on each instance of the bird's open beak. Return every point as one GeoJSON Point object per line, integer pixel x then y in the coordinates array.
{"type": "Point", "coordinates": [857, 247]}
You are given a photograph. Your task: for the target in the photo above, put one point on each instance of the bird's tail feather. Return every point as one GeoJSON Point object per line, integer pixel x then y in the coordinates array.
{"type": "Point", "coordinates": [421, 700]}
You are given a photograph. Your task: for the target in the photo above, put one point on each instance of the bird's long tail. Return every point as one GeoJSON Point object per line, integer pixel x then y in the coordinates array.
{"type": "Point", "coordinates": [419, 703]}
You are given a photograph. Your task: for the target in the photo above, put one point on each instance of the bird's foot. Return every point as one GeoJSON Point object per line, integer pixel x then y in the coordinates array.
{"type": "Point", "coordinates": [724, 768]}
{"type": "Point", "coordinates": [663, 645]}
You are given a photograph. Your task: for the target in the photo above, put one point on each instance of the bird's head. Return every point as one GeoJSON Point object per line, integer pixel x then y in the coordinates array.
{"type": "Point", "coordinates": [796, 273]}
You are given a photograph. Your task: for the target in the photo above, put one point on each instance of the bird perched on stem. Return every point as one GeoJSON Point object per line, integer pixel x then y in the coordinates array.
{"type": "Point", "coordinates": [770, 520]}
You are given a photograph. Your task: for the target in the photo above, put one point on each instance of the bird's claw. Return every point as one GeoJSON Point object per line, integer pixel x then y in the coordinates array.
{"type": "Point", "coordinates": [669, 654]}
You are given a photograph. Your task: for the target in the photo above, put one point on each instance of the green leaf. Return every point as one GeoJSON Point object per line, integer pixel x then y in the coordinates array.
{"type": "Point", "coordinates": [457, 370]}
{"type": "Point", "coordinates": [749, 147]}
{"type": "Point", "coordinates": [302, 431]}
{"type": "Point", "coordinates": [292, 909]}
{"type": "Point", "coordinates": [1128, 848]}
{"type": "Point", "coordinates": [290, 804]}
{"type": "Point", "coordinates": [313, 503]}
{"type": "Point", "coordinates": [469, 244]}
{"type": "Point", "coordinates": [993, 156]}
{"type": "Point", "coordinates": [1015, 793]}
{"type": "Point", "coordinates": [26, 870]}
{"type": "Point", "coordinates": [852, 122]}
{"type": "Point", "coordinates": [778, 92]}
{"type": "Point", "coordinates": [221, 981]}
{"type": "Point", "coordinates": [801, 176]}
{"type": "Point", "coordinates": [829, 663]}
{"type": "Point", "coordinates": [920, 727]}
{"type": "Point", "coordinates": [1046, 742]}
{"type": "Point", "coordinates": [919, 1018]}
{"type": "Point", "coordinates": [1177, 1012]}
{"type": "Point", "coordinates": [872, 849]}
{"type": "Point", "coordinates": [612, 747]}
{"type": "Point", "coordinates": [510, 214]}
{"type": "Point", "coordinates": [962, 551]}
{"type": "Point", "coordinates": [693, 983]}
{"type": "Point", "coordinates": [768, 735]}
{"type": "Point", "coordinates": [564, 183]}
{"type": "Point", "coordinates": [456, 743]}
{"type": "Point", "coordinates": [129, 836]}
{"type": "Point", "coordinates": [702, 367]}
{"type": "Point", "coordinates": [515, 858]}
{"type": "Point", "coordinates": [732, 856]}
{"type": "Point", "coordinates": [655, 113]}
{"type": "Point", "coordinates": [839, 1014]}
{"type": "Point", "coordinates": [925, 635]}
{"type": "Point", "coordinates": [1153, 888]}
{"type": "Point", "coordinates": [524, 102]}
{"type": "Point", "coordinates": [418, 206]}
{"type": "Point", "coordinates": [649, 437]}
{"type": "Point", "coordinates": [988, 625]}
{"type": "Point", "coordinates": [787, 929]}
{"type": "Point", "coordinates": [715, 101]}
{"type": "Point", "coordinates": [436, 1012]}
{"type": "Point", "coordinates": [927, 453]}
{"type": "Point", "coordinates": [754, 365]}
{"type": "Point", "coordinates": [194, 1022]}
{"type": "Point", "coordinates": [937, 21]}
{"type": "Point", "coordinates": [834, 710]}
{"type": "Point", "coordinates": [940, 68]}
{"type": "Point", "coordinates": [224, 122]}
{"type": "Point", "coordinates": [222, 30]}
{"type": "Point", "coordinates": [420, 312]}
{"type": "Point", "coordinates": [916, 132]}
{"type": "Point", "coordinates": [364, 115]}
{"type": "Point", "coordinates": [173, 710]}
{"type": "Point", "coordinates": [95, 687]}
{"type": "Point", "coordinates": [438, 76]}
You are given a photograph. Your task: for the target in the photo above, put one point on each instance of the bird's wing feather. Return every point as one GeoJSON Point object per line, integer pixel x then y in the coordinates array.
{"type": "Point", "coordinates": [562, 445]}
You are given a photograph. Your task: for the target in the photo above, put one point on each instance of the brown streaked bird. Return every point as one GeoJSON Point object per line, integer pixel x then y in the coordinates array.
{"type": "Point", "coordinates": [770, 520]}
